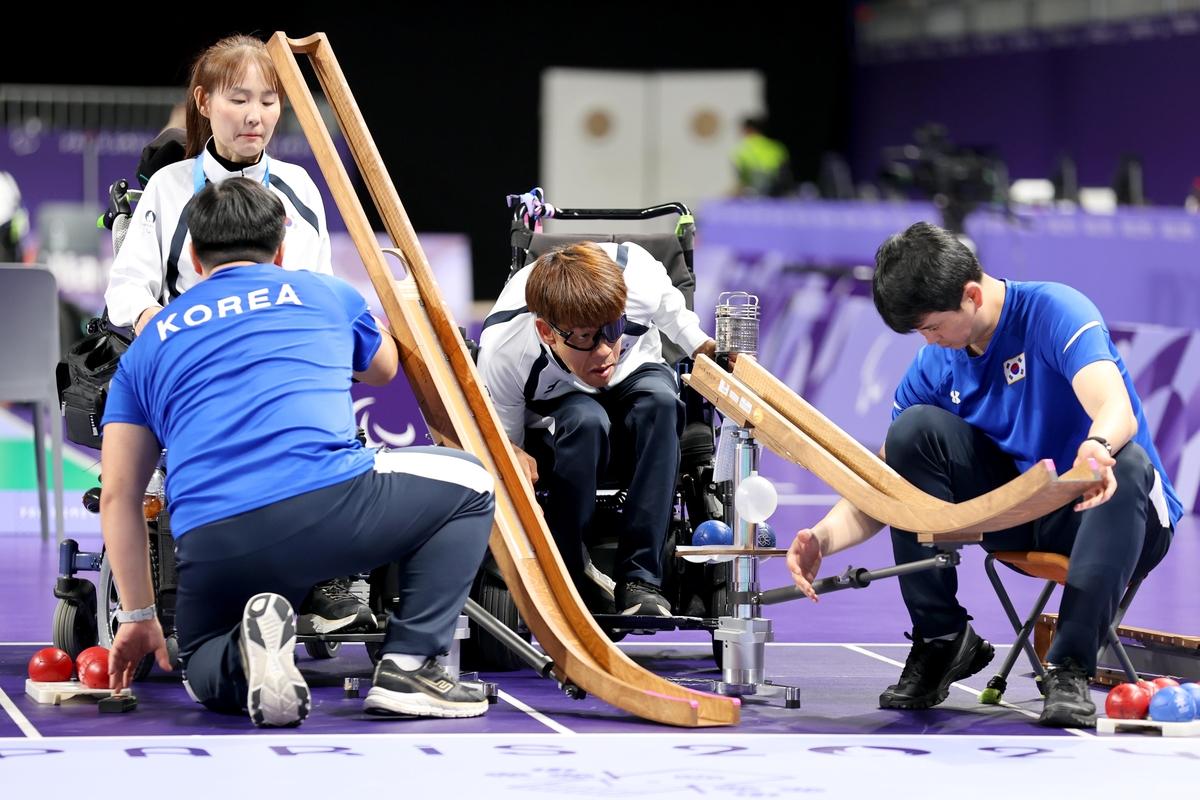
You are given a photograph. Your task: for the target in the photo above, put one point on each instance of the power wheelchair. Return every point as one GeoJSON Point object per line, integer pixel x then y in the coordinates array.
{"type": "Point", "coordinates": [85, 614]}
{"type": "Point", "coordinates": [698, 593]}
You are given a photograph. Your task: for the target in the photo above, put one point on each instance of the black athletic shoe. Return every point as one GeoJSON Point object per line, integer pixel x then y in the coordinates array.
{"type": "Point", "coordinates": [427, 691]}
{"type": "Point", "coordinates": [331, 608]}
{"type": "Point", "coordinates": [598, 591]}
{"type": "Point", "coordinates": [932, 666]}
{"type": "Point", "coordinates": [278, 696]}
{"type": "Point", "coordinates": [1068, 700]}
{"type": "Point", "coordinates": [638, 598]}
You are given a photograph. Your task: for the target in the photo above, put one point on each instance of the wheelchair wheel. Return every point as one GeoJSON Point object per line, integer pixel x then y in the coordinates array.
{"type": "Point", "coordinates": [107, 606]}
{"type": "Point", "coordinates": [319, 649]}
{"type": "Point", "coordinates": [74, 628]}
{"type": "Point", "coordinates": [495, 598]}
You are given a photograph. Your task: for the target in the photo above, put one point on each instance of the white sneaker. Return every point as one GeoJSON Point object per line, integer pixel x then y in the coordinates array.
{"type": "Point", "coordinates": [278, 696]}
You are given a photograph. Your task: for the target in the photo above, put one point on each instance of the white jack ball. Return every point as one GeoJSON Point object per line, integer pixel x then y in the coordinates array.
{"type": "Point", "coordinates": [755, 498]}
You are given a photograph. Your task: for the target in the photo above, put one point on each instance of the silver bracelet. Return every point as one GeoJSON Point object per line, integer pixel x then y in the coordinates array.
{"type": "Point", "coordinates": [137, 615]}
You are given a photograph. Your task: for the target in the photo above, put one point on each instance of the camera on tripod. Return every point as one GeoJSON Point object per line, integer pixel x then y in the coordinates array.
{"type": "Point", "coordinates": [956, 178]}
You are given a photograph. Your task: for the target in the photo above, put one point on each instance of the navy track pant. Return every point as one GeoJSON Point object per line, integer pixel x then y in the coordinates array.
{"type": "Point", "coordinates": [630, 431]}
{"type": "Point", "coordinates": [429, 509]}
{"type": "Point", "coordinates": [1107, 545]}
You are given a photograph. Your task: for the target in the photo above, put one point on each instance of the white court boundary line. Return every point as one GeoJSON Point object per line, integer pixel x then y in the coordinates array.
{"type": "Point", "coordinates": [558, 727]}
{"type": "Point", "coordinates": [976, 692]}
{"type": "Point", "coordinates": [26, 644]}
{"type": "Point", "coordinates": [24, 724]}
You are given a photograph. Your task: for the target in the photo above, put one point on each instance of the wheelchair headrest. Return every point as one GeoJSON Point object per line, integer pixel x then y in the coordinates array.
{"type": "Point", "coordinates": [665, 248]}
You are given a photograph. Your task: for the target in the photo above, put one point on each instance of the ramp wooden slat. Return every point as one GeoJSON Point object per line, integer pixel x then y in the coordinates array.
{"type": "Point", "coordinates": [1035, 493]}
{"type": "Point", "coordinates": [460, 414]}
{"type": "Point", "coordinates": [842, 446]}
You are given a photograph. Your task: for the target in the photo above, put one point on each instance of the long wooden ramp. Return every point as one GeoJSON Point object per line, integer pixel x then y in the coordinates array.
{"type": "Point", "coordinates": [460, 414]}
{"type": "Point", "coordinates": [792, 429]}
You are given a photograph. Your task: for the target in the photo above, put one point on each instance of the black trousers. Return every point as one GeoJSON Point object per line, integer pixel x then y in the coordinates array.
{"type": "Point", "coordinates": [427, 508]}
{"type": "Point", "coordinates": [631, 432]}
{"type": "Point", "coordinates": [1107, 545]}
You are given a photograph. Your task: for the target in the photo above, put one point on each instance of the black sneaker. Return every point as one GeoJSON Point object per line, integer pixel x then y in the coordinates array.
{"type": "Point", "coordinates": [1068, 699]}
{"type": "Point", "coordinates": [278, 697]}
{"type": "Point", "coordinates": [427, 691]}
{"type": "Point", "coordinates": [638, 598]}
{"type": "Point", "coordinates": [331, 608]}
{"type": "Point", "coordinates": [932, 666]}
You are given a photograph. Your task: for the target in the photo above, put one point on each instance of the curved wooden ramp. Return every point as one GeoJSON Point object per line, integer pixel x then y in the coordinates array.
{"type": "Point", "coordinates": [863, 479]}
{"type": "Point", "coordinates": [459, 413]}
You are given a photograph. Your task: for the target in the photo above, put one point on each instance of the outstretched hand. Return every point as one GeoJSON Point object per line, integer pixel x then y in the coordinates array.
{"type": "Point", "coordinates": [804, 561]}
{"type": "Point", "coordinates": [132, 642]}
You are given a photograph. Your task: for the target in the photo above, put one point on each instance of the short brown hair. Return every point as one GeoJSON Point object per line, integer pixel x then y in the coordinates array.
{"type": "Point", "coordinates": [218, 68]}
{"type": "Point", "coordinates": [576, 286]}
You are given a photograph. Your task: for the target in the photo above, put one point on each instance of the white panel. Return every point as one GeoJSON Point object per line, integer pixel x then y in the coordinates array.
{"type": "Point", "coordinates": [699, 118]}
{"type": "Point", "coordinates": [593, 138]}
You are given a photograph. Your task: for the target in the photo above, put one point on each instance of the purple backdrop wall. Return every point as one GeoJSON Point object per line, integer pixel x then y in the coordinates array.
{"type": "Point", "coordinates": [1098, 101]}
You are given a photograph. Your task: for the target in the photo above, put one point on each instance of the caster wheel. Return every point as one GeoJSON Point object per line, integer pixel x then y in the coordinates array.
{"type": "Point", "coordinates": [321, 649]}
{"type": "Point", "coordinates": [74, 628]}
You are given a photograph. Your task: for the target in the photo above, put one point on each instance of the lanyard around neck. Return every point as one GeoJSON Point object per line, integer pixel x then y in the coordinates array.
{"type": "Point", "coordinates": [199, 178]}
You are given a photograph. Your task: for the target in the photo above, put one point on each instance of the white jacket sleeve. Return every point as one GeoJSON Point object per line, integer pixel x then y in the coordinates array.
{"type": "Point", "coordinates": [505, 382]}
{"type": "Point", "coordinates": [674, 318]}
{"type": "Point", "coordinates": [136, 279]}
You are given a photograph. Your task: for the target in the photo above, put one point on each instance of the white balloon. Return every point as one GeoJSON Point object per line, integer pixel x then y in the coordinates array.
{"type": "Point", "coordinates": [755, 498]}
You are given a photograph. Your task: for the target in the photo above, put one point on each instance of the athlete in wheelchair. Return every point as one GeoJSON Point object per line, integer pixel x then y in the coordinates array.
{"type": "Point", "coordinates": [580, 356]}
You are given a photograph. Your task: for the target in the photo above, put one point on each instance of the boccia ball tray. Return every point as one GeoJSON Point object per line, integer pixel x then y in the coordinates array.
{"type": "Point", "coordinates": [1106, 725]}
{"type": "Point", "coordinates": [54, 692]}
{"type": "Point", "coordinates": [716, 553]}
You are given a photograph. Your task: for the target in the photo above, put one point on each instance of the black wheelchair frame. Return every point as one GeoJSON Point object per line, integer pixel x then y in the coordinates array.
{"type": "Point", "coordinates": [699, 593]}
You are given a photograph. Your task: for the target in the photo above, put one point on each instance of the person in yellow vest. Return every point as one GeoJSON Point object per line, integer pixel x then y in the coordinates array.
{"type": "Point", "coordinates": [763, 164]}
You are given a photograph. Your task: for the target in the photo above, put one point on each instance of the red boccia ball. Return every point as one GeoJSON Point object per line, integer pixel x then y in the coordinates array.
{"type": "Point", "coordinates": [1127, 701]}
{"type": "Point", "coordinates": [1163, 683]}
{"type": "Point", "coordinates": [1150, 688]}
{"type": "Point", "coordinates": [89, 655]}
{"type": "Point", "coordinates": [51, 665]}
{"type": "Point", "coordinates": [94, 674]}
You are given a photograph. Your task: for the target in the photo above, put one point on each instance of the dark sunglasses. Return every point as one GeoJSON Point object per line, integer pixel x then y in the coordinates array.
{"type": "Point", "coordinates": [612, 332]}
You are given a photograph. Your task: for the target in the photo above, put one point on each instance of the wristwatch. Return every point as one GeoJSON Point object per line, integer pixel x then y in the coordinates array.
{"type": "Point", "coordinates": [1102, 441]}
{"type": "Point", "coordinates": [137, 615]}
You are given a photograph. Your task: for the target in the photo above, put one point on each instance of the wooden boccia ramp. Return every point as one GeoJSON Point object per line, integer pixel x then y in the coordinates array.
{"type": "Point", "coordinates": [794, 430]}
{"type": "Point", "coordinates": [460, 414]}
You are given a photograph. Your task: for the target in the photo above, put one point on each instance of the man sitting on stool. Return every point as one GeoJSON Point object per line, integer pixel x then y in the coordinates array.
{"type": "Point", "coordinates": [572, 358]}
{"type": "Point", "coordinates": [249, 389]}
{"type": "Point", "coordinates": [1020, 372]}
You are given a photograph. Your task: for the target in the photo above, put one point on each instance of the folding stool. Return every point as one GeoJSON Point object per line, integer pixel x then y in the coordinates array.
{"type": "Point", "coordinates": [1052, 568]}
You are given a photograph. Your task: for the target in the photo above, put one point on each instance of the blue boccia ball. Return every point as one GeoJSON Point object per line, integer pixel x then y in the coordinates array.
{"type": "Point", "coordinates": [766, 536]}
{"type": "Point", "coordinates": [712, 532]}
{"type": "Point", "coordinates": [1194, 691]}
{"type": "Point", "coordinates": [1172, 704]}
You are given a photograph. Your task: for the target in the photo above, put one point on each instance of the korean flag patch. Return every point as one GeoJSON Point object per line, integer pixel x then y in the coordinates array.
{"type": "Point", "coordinates": [1014, 369]}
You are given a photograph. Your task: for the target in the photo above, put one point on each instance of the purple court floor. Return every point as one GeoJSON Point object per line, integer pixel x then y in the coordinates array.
{"type": "Point", "coordinates": [536, 741]}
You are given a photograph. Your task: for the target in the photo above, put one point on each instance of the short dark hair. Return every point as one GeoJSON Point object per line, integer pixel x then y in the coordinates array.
{"type": "Point", "coordinates": [236, 220]}
{"type": "Point", "coordinates": [921, 272]}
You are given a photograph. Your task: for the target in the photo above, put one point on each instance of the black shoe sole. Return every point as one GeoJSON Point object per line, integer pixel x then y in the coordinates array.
{"type": "Point", "coordinates": [1066, 717]}
{"type": "Point", "coordinates": [983, 657]}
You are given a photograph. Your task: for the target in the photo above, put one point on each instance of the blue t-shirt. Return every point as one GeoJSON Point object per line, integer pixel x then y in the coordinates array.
{"type": "Point", "coordinates": [246, 381]}
{"type": "Point", "coordinates": [1019, 390]}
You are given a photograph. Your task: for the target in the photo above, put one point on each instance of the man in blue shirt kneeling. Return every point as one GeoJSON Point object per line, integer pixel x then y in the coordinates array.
{"type": "Point", "coordinates": [246, 381]}
{"type": "Point", "coordinates": [1013, 373]}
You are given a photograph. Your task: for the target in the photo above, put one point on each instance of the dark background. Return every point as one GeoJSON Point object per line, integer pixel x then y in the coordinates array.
{"type": "Point", "coordinates": [451, 95]}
